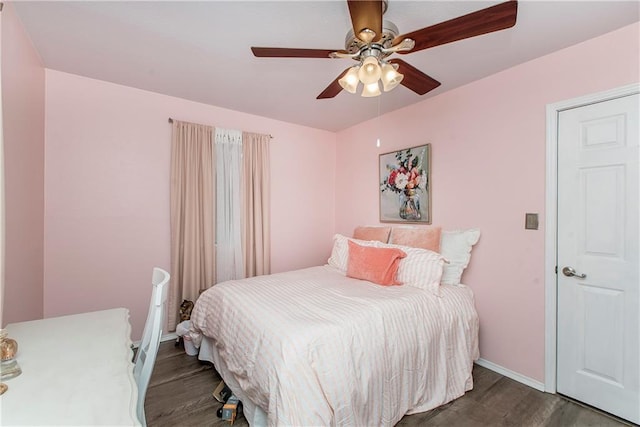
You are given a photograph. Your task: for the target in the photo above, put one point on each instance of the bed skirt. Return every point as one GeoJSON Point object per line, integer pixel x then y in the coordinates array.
{"type": "Point", "coordinates": [253, 413]}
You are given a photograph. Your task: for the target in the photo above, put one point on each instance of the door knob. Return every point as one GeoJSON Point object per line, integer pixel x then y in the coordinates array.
{"type": "Point", "coordinates": [571, 272]}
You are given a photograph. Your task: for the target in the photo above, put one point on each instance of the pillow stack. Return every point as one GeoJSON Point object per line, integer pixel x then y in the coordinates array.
{"type": "Point", "coordinates": [422, 257]}
{"type": "Point", "coordinates": [416, 267]}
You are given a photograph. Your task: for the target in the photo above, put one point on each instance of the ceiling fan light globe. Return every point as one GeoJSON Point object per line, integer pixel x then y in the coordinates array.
{"type": "Point", "coordinates": [370, 71]}
{"type": "Point", "coordinates": [390, 86]}
{"type": "Point", "coordinates": [390, 77]}
{"type": "Point", "coordinates": [349, 81]}
{"type": "Point", "coordinates": [371, 90]}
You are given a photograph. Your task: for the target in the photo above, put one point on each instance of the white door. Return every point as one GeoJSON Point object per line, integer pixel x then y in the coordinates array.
{"type": "Point", "coordinates": [598, 348]}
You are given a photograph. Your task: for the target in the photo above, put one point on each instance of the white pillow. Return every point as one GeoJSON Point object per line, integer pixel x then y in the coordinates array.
{"type": "Point", "coordinates": [456, 247]}
{"type": "Point", "coordinates": [340, 252]}
{"type": "Point", "coordinates": [421, 268]}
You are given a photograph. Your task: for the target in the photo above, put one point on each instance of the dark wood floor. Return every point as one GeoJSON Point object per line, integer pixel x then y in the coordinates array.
{"type": "Point", "coordinates": [180, 390]}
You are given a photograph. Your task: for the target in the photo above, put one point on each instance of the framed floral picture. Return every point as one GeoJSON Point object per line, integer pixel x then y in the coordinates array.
{"type": "Point", "coordinates": [405, 185]}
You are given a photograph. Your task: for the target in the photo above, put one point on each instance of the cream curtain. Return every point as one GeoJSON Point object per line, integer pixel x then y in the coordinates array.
{"type": "Point", "coordinates": [256, 209]}
{"type": "Point", "coordinates": [228, 152]}
{"type": "Point", "coordinates": [192, 214]}
{"type": "Point", "coordinates": [1, 189]}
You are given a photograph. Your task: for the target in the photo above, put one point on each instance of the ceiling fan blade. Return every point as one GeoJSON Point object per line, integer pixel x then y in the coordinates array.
{"type": "Point", "coordinates": [483, 21]}
{"type": "Point", "coordinates": [366, 15]}
{"type": "Point", "coordinates": [415, 79]}
{"type": "Point", "coordinates": [334, 87]}
{"type": "Point", "coordinates": [281, 52]}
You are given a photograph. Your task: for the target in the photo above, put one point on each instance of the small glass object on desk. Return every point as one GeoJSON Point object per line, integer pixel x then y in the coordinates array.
{"type": "Point", "coordinates": [9, 367]}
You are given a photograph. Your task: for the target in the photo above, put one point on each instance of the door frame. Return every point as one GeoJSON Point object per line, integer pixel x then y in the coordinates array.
{"type": "Point", "coordinates": [551, 219]}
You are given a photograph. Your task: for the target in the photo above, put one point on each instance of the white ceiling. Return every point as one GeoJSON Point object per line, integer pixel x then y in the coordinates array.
{"type": "Point", "coordinates": [200, 50]}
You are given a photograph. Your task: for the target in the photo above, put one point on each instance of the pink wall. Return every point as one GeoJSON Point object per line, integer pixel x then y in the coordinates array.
{"type": "Point", "coordinates": [23, 117]}
{"type": "Point", "coordinates": [488, 170]}
{"type": "Point", "coordinates": [107, 172]}
{"type": "Point", "coordinates": [107, 192]}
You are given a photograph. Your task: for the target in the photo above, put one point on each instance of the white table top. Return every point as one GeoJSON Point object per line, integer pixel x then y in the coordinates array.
{"type": "Point", "coordinates": [76, 370]}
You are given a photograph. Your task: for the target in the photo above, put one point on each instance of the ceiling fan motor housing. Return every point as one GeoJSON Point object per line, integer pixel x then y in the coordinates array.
{"type": "Point", "coordinates": [354, 45]}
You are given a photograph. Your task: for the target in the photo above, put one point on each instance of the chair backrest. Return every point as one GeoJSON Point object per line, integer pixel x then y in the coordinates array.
{"type": "Point", "coordinates": [148, 349]}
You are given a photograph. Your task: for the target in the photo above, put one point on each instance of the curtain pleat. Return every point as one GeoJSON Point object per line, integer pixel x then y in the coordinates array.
{"type": "Point", "coordinates": [2, 225]}
{"type": "Point", "coordinates": [256, 219]}
{"type": "Point", "coordinates": [192, 214]}
{"type": "Point", "coordinates": [228, 149]}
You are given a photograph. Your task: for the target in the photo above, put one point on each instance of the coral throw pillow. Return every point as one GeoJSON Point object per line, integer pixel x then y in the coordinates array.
{"type": "Point", "coordinates": [424, 238]}
{"type": "Point", "coordinates": [377, 265]}
{"type": "Point", "coordinates": [381, 234]}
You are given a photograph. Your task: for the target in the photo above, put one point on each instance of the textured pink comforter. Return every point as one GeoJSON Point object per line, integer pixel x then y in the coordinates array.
{"type": "Point", "coordinates": [313, 347]}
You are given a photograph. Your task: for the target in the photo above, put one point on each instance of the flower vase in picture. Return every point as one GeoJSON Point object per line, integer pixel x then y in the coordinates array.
{"type": "Point", "coordinates": [410, 205]}
{"type": "Point", "coordinates": [404, 186]}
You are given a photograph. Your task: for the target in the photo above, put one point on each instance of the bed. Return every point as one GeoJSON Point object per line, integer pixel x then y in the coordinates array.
{"type": "Point", "coordinates": [315, 347]}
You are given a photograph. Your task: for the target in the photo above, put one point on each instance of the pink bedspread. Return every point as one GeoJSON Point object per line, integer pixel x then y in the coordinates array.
{"type": "Point", "coordinates": [313, 347]}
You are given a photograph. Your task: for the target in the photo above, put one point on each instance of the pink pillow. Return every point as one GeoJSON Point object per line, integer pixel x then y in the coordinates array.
{"type": "Point", "coordinates": [381, 234]}
{"type": "Point", "coordinates": [377, 265]}
{"type": "Point", "coordinates": [423, 237]}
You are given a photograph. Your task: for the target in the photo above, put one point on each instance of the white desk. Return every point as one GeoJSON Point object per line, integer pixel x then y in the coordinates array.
{"type": "Point", "coordinates": [76, 370]}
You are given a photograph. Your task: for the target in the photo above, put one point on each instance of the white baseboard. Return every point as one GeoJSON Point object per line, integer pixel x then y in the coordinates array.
{"type": "Point", "coordinates": [510, 374]}
{"type": "Point", "coordinates": [168, 337]}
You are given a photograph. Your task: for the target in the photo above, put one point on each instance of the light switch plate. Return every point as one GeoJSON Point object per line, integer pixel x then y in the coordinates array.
{"type": "Point", "coordinates": [531, 221]}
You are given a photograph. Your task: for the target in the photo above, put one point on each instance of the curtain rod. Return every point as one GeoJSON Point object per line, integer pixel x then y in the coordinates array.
{"type": "Point", "coordinates": [171, 120]}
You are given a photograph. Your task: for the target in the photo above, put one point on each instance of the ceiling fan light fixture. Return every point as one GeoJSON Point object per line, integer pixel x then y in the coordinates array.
{"type": "Point", "coordinates": [370, 90]}
{"type": "Point", "coordinates": [390, 77]}
{"type": "Point", "coordinates": [370, 71]}
{"type": "Point", "coordinates": [350, 80]}
{"type": "Point", "coordinates": [371, 39]}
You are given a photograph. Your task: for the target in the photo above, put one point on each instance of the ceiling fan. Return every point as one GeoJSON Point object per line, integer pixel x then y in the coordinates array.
{"type": "Point", "coordinates": [371, 41]}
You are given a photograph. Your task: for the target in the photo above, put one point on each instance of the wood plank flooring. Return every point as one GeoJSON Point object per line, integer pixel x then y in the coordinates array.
{"type": "Point", "coordinates": [179, 394]}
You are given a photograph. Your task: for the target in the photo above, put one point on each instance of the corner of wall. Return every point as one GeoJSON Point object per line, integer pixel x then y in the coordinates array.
{"type": "Point", "coordinates": [23, 99]}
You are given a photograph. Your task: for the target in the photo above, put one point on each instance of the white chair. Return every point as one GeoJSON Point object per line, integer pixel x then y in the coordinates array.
{"type": "Point", "coordinates": [146, 354]}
